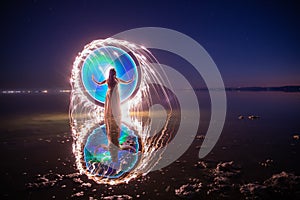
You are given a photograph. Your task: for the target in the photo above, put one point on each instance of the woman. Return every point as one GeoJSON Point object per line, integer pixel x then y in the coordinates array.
{"type": "Point", "coordinates": [112, 111]}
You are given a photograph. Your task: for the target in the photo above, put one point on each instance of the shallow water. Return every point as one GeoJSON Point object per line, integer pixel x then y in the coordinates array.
{"type": "Point", "coordinates": [36, 141]}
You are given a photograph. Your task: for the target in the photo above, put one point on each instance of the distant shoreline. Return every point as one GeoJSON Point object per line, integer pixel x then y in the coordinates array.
{"type": "Point", "coordinates": [258, 89]}
{"type": "Point", "coordinates": [291, 89]}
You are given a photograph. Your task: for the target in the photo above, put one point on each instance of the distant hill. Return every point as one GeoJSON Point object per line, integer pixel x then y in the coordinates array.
{"type": "Point", "coordinates": [281, 89]}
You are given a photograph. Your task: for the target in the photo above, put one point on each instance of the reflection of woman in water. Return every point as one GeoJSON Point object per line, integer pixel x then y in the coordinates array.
{"type": "Point", "coordinates": [112, 112]}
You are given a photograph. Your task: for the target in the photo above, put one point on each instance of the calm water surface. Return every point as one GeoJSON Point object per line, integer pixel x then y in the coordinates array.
{"type": "Point", "coordinates": [35, 139]}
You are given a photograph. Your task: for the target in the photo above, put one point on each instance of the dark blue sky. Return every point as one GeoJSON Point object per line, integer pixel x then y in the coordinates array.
{"type": "Point", "coordinates": [252, 42]}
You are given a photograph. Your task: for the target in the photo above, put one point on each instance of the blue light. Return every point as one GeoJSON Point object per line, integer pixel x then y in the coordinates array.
{"type": "Point", "coordinates": [99, 62]}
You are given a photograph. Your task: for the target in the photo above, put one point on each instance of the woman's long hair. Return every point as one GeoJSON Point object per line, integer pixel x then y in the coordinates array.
{"type": "Point", "coordinates": [111, 81]}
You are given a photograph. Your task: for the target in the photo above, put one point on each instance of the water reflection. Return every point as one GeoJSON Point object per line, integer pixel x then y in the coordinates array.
{"type": "Point", "coordinates": [107, 160]}
{"type": "Point", "coordinates": [168, 127]}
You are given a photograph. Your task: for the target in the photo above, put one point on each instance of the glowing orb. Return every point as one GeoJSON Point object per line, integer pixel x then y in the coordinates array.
{"type": "Point", "coordinates": [99, 62]}
{"type": "Point", "coordinates": [98, 158]}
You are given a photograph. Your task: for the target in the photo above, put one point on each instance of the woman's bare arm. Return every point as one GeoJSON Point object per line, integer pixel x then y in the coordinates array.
{"type": "Point", "coordinates": [97, 82]}
{"type": "Point", "coordinates": [124, 82]}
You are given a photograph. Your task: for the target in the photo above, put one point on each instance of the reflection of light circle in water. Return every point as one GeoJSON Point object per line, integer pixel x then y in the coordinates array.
{"type": "Point", "coordinates": [98, 64]}
{"type": "Point", "coordinates": [97, 156]}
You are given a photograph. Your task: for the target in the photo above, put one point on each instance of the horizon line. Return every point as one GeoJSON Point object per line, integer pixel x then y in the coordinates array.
{"type": "Point", "coordinates": [286, 88]}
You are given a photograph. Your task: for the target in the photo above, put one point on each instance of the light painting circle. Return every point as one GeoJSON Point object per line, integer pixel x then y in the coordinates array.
{"type": "Point", "coordinates": [136, 152]}
{"type": "Point", "coordinates": [98, 158]}
{"type": "Point", "coordinates": [99, 62]}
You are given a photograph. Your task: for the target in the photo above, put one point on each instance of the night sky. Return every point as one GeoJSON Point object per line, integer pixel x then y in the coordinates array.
{"type": "Point", "coordinates": [253, 43]}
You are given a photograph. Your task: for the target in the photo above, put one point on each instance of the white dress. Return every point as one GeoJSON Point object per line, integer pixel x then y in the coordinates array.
{"type": "Point", "coordinates": [112, 117]}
